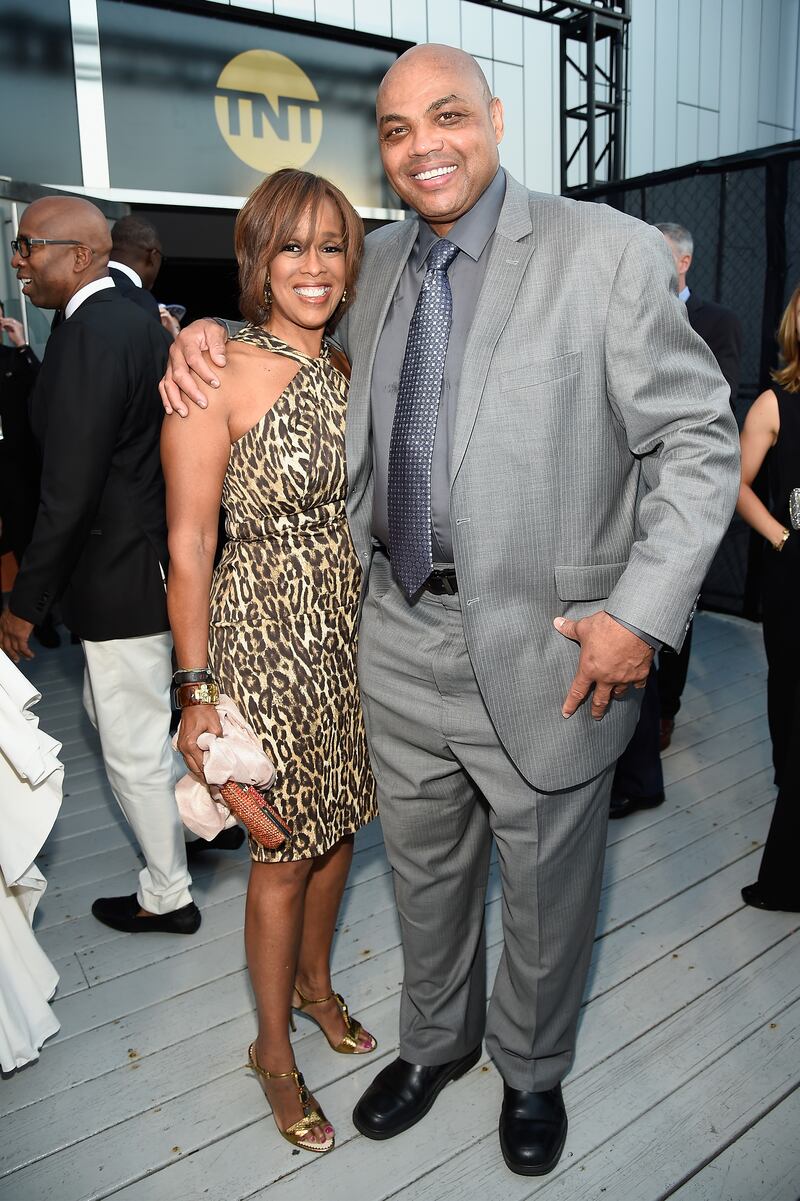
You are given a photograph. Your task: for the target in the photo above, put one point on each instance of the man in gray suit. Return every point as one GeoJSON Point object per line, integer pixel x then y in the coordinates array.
{"type": "Point", "coordinates": [525, 385]}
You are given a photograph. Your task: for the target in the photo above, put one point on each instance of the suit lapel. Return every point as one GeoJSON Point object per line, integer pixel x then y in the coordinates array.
{"type": "Point", "coordinates": [377, 284]}
{"type": "Point", "coordinates": [511, 251]}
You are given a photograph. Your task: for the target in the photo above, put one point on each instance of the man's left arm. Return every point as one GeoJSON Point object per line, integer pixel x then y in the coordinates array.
{"type": "Point", "coordinates": [666, 389]}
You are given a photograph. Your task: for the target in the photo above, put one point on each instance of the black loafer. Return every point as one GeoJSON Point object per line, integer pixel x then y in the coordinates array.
{"type": "Point", "coordinates": [533, 1130]}
{"type": "Point", "coordinates": [403, 1093]}
{"type": "Point", "coordinates": [621, 806]}
{"type": "Point", "coordinates": [226, 840]}
{"type": "Point", "coordinates": [121, 913]}
{"type": "Point", "coordinates": [755, 895]}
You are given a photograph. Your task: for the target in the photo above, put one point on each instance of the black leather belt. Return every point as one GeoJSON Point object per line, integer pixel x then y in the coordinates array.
{"type": "Point", "coordinates": [441, 582]}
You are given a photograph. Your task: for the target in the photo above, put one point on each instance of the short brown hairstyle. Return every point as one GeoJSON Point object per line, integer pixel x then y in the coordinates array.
{"type": "Point", "coordinates": [789, 374]}
{"type": "Point", "coordinates": [267, 221]}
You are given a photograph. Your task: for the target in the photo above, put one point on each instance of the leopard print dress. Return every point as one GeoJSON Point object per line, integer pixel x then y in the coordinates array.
{"type": "Point", "coordinates": [284, 607]}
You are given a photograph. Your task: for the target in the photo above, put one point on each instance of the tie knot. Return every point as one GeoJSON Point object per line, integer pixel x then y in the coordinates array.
{"type": "Point", "coordinates": [441, 255]}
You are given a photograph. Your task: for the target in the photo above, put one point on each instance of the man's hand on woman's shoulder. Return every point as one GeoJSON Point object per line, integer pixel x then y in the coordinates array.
{"type": "Point", "coordinates": [179, 388]}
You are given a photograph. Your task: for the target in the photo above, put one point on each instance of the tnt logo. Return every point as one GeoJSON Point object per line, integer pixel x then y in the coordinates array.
{"type": "Point", "coordinates": [268, 111]}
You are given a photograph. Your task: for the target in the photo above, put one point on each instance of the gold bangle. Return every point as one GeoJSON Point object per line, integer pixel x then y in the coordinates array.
{"type": "Point", "coordinates": [187, 695]}
{"type": "Point", "coordinates": [784, 538]}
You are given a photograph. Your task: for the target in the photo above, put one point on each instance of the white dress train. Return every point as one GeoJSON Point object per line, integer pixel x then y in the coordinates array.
{"type": "Point", "coordinates": [31, 779]}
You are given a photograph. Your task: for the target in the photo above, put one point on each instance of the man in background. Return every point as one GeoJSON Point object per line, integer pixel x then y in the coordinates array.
{"type": "Point", "coordinates": [136, 259]}
{"type": "Point", "coordinates": [99, 543]}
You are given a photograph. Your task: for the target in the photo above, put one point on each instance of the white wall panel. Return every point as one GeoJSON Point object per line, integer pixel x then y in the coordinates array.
{"type": "Point", "coordinates": [687, 133]}
{"type": "Point", "coordinates": [748, 74]}
{"type": "Point", "coordinates": [769, 135]}
{"type": "Point", "coordinates": [689, 59]}
{"type": "Point", "coordinates": [729, 86]}
{"type": "Point", "coordinates": [302, 10]}
{"type": "Point", "coordinates": [335, 12]}
{"type": "Point", "coordinates": [410, 20]}
{"type": "Point", "coordinates": [507, 34]}
{"type": "Point", "coordinates": [374, 16]}
{"type": "Point", "coordinates": [768, 62]}
{"type": "Point", "coordinates": [710, 38]}
{"type": "Point", "coordinates": [509, 86]}
{"type": "Point", "coordinates": [665, 85]}
{"type": "Point", "coordinates": [787, 64]}
{"type": "Point", "coordinates": [476, 29]}
{"type": "Point", "coordinates": [641, 72]}
{"type": "Point", "coordinates": [707, 133]}
{"type": "Point", "coordinates": [541, 106]}
{"type": "Point", "coordinates": [444, 22]}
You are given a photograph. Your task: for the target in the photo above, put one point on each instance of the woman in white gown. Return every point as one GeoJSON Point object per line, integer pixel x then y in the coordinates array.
{"type": "Point", "coordinates": [31, 779]}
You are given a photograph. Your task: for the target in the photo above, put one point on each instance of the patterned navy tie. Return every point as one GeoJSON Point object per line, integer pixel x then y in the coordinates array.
{"type": "Point", "coordinates": [415, 418]}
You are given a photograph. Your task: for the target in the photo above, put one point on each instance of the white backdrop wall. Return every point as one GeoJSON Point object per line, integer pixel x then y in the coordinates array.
{"type": "Point", "coordinates": [711, 77]}
{"type": "Point", "coordinates": [706, 77]}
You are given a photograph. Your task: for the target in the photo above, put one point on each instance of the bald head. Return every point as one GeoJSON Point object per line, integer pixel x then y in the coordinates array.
{"type": "Point", "coordinates": [52, 274]}
{"type": "Point", "coordinates": [435, 60]}
{"type": "Point", "coordinates": [439, 128]}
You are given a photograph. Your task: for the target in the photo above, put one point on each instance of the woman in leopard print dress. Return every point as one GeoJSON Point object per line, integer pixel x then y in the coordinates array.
{"type": "Point", "coordinates": [279, 619]}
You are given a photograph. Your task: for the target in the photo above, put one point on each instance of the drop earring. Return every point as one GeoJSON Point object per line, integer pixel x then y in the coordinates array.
{"type": "Point", "coordinates": [343, 298]}
{"type": "Point", "coordinates": [267, 299]}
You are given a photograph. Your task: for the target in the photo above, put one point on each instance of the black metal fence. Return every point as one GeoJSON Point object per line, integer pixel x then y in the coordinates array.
{"type": "Point", "coordinates": [744, 214]}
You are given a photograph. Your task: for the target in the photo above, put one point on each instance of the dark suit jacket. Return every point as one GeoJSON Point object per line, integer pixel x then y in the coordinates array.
{"type": "Point", "coordinates": [100, 538]}
{"type": "Point", "coordinates": [19, 454]}
{"type": "Point", "coordinates": [721, 330]}
{"type": "Point", "coordinates": [146, 300]}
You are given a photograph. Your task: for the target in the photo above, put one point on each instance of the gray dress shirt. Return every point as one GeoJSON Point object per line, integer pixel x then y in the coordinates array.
{"type": "Point", "coordinates": [473, 235]}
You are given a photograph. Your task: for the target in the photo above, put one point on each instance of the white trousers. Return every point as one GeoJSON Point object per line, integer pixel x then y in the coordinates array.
{"type": "Point", "coordinates": [126, 694]}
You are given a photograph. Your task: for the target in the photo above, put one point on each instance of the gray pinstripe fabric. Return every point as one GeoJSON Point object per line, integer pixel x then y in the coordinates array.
{"type": "Point", "coordinates": [594, 463]}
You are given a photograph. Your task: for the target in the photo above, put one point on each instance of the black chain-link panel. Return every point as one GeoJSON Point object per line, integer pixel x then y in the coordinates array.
{"type": "Point", "coordinates": [742, 271]}
{"type": "Point", "coordinates": [792, 231]}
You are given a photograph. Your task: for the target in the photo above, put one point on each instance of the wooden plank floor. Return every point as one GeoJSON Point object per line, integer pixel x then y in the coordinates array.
{"type": "Point", "coordinates": [686, 1079]}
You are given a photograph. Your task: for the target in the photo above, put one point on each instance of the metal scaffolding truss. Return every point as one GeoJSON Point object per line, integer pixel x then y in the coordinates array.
{"type": "Point", "coordinates": [593, 44]}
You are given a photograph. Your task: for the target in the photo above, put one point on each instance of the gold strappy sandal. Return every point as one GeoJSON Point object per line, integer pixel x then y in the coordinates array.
{"type": "Point", "coordinates": [349, 1045]}
{"type": "Point", "coordinates": [299, 1130]}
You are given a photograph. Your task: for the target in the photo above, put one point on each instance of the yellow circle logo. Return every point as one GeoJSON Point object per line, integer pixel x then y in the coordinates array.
{"type": "Point", "coordinates": [268, 111]}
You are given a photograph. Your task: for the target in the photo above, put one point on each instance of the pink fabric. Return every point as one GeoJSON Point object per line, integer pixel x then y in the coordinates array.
{"type": "Point", "coordinates": [237, 755]}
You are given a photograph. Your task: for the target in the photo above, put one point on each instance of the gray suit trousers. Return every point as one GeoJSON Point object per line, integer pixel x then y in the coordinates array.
{"type": "Point", "coordinates": [446, 788]}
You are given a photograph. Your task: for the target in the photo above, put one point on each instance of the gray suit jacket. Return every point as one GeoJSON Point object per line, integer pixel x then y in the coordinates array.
{"type": "Point", "coordinates": [595, 460]}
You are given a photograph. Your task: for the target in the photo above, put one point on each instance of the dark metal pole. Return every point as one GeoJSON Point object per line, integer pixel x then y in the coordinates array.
{"type": "Point", "coordinates": [562, 33]}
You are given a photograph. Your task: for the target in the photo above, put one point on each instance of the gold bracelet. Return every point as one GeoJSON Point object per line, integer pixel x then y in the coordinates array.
{"type": "Point", "coordinates": [187, 695]}
{"type": "Point", "coordinates": [784, 538]}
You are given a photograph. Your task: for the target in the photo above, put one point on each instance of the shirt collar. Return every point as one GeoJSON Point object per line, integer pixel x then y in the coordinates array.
{"type": "Point", "coordinates": [126, 270]}
{"type": "Point", "coordinates": [684, 295]}
{"type": "Point", "coordinates": [471, 232]}
{"type": "Point", "coordinates": [97, 285]}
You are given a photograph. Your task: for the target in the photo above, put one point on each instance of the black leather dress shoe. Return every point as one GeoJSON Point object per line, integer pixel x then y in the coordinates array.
{"type": "Point", "coordinates": [533, 1130]}
{"type": "Point", "coordinates": [621, 806]}
{"type": "Point", "coordinates": [760, 898]}
{"type": "Point", "coordinates": [403, 1093]}
{"type": "Point", "coordinates": [121, 913]}
{"type": "Point", "coordinates": [226, 840]}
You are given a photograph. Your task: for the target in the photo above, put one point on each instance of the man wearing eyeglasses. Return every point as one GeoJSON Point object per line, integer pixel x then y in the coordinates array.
{"type": "Point", "coordinates": [99, 542]}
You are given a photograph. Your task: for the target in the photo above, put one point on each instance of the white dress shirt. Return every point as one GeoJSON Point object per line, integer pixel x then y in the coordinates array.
{"type": "Point", "coordinates": [97, 285]}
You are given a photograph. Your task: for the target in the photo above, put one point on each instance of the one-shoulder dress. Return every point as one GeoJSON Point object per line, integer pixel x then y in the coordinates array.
{"type": "Point", "coordinates": [284, 606]}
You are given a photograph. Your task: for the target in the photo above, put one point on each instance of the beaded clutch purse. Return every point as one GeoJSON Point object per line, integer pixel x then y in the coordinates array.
{"type": "Point", "coordinates": [794, 508]}
{"type": "Point", "coordinates": [261, 820]}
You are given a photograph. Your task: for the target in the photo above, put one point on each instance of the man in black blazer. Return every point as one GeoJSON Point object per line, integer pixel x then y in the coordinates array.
{"type": "Point", "coordinates": [99, 543]}
{"type": "Point", "coordinates": [638, 781]}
